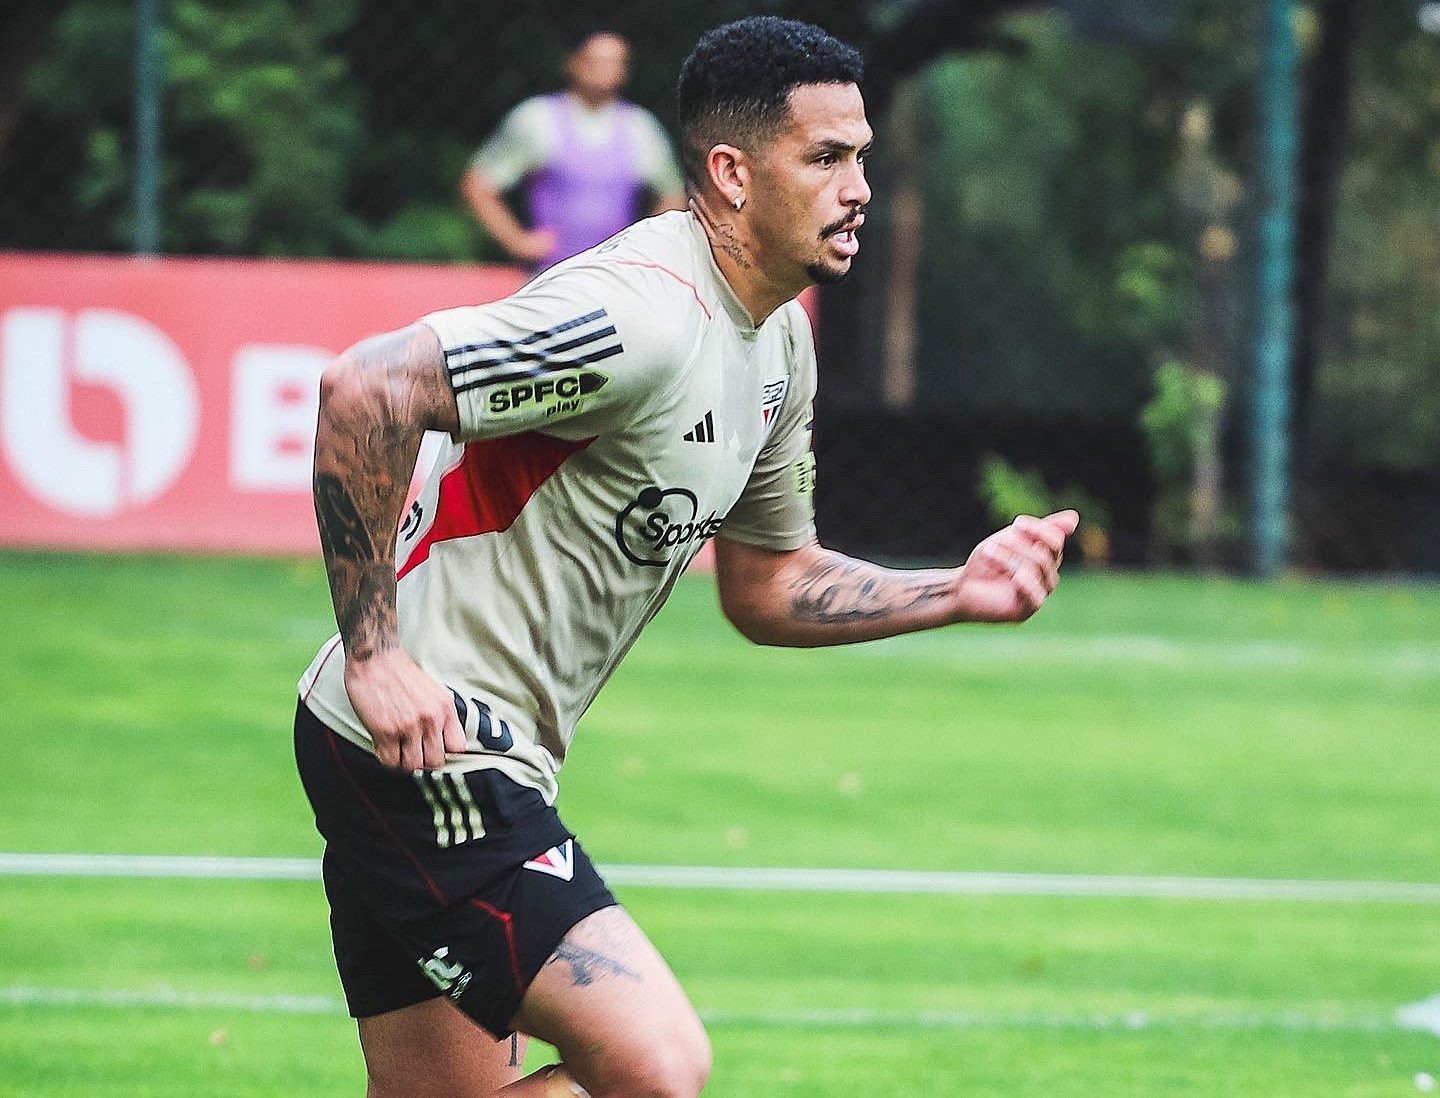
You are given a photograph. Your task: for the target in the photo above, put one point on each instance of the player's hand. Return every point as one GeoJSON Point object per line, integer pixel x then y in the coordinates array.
{"type": "Point", "coordinates": [409, 715]}
{"type": "Point", "coordinates": [1012, 572]}
{"type": "Point", "coordinates": [533, 246]}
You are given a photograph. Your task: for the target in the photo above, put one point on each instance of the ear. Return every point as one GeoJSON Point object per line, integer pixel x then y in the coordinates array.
{"type": "Point", "coordinates": [729, 169]}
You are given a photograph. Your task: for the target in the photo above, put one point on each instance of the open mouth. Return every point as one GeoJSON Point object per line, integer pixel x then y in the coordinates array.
{"type": "Point", "coordinates": [846, 242]}
{"type": "Point", "coordinates": [843, 238]}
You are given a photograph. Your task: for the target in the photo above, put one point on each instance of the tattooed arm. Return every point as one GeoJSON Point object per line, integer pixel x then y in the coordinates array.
{"type": "Point", "coordinates": [376, 402]}
{"type": "Point", "coordinates": [813, 596]}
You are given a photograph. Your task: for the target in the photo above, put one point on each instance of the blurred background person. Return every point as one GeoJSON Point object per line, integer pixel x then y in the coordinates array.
{"type": "Point", "coordinates": [587, 163]}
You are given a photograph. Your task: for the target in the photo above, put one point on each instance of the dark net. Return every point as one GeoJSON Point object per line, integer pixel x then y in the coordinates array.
{"type": "Point", "coordinates": [1062, 210]}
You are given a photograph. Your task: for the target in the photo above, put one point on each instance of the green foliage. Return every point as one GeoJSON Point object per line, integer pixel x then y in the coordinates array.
{"type": "Point", "coordinates": [1152, 293]}
{"type": "Point", "coordinates": [1182, 424]}
{"type": "Point", "coordinates": [1181, 420]}
{"type": "Point", "coordinates": [1036, 182]}
{"type": "Point", "coordinates": [1009, 491]}
{"type": "Point", "coordinates": [1379, 388]}
{"type": "Point", "coordinates": [265, 125]}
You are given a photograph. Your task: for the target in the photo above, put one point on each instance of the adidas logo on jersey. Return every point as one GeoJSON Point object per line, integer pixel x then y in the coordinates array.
{"type": "Point", "coordinates": [704, 431]}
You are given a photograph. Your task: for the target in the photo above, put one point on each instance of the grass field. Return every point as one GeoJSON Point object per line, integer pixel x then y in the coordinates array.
{"type": "Point", "coordinates": [1144, 726]}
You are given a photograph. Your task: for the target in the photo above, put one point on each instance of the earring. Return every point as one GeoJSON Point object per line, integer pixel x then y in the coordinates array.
{"type": "Point", "coordinates": [739, 201]}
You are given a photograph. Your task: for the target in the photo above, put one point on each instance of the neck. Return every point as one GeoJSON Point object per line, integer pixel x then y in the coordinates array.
{"type": "Point", "coordinates": [732, 245]}
{"type": "Point", "coordinates": [593, 102]}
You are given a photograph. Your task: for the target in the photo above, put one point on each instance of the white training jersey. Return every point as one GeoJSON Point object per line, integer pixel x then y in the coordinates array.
{"type": "Point", "coordinates": [615, 414]}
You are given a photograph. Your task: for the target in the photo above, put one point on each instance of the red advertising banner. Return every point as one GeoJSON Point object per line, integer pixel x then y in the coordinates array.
{"type": "Point", "coordinates": [170, 403]}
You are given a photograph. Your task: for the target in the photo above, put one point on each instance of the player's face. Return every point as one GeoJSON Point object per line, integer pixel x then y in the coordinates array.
{"type": "Point", "coordinates": [599, 67]}
{"type": "Point", "coordinates": [810, 190]}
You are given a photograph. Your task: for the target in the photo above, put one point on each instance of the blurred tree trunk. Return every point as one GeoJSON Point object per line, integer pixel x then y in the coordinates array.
{"type": "Point", "coordinates": [902, 283]}
{"type": "Point", "coordinates": [1208, 195]}
{"type": "Point", "coordinates": [1322, 156]}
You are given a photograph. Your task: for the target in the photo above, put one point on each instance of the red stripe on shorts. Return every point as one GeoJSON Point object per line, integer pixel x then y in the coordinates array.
{"type": "Point", "coordinates": [509, 924]}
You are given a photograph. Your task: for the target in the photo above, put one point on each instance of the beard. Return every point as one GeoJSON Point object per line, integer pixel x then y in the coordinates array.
{"type": "Point", "coordinates": [823, 275]}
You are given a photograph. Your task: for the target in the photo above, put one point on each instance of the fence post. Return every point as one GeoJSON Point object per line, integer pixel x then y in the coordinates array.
{"type": "Point", "coordinates": [148, 167]}
{"type": "Point", "coordinates": [1278, 104]}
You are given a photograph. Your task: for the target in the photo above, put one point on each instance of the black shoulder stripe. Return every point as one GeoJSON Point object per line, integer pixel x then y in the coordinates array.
{"type": "Point", "coordinates": [533, 337]}
{"type": "Point", "coordinates": [548, 366]}
{"type": "Point", "coordinates": [543, 354]}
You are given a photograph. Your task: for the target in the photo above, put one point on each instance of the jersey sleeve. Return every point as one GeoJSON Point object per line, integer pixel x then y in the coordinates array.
{"type": "Point", "coordinates": [776, 510]}
{"type": "Point", "coordinates": [574, 354]}
{"type": "Point", "coordinates": [516, 148]}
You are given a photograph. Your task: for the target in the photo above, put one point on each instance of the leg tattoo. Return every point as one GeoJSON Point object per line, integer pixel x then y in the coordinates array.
{"type": "Point", "coordinates": [588, 965]}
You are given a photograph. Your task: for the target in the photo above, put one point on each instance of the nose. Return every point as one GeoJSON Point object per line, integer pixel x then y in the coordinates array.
{"type": "Point", "coordinates": [856, 191]}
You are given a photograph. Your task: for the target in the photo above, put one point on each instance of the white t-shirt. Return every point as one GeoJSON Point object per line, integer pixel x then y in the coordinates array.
{"type": "Point", "coordinates": [615, 414]}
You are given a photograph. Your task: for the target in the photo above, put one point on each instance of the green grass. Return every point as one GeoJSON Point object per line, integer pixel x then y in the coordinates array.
{"type": "Point", "coordinates": [1138, 725]}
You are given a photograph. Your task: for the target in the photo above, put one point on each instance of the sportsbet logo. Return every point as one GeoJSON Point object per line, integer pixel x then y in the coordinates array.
{"type": "Point", "coordinates": [555, 394]}
{"type": "Point", "coordinates": [659, 521]}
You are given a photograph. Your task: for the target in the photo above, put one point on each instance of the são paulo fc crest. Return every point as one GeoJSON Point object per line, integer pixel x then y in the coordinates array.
{"type": "Point", "coordinates": [558, 861]}
{"type": "Point", "coordinates": [772, 395]}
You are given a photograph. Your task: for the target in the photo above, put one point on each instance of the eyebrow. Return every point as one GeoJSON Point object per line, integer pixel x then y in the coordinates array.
{"type": "Point", "coordinates": [835, 145]}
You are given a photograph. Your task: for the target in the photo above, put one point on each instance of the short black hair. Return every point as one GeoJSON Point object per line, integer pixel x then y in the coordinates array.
{"type": "Point", "coordinates": [735, 86]}
{"type": "Point", "coordinates": [579, 33]}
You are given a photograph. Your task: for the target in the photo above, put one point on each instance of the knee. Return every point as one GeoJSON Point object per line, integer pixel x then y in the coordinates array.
{"type": "Point", "coordinates": [675, 1066]}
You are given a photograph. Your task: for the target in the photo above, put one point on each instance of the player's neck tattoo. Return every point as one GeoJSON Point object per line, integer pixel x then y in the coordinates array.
{"type": "Point", "coordinates": [728, 242]}
{"type": "Point", "coordinates": [722, 235]}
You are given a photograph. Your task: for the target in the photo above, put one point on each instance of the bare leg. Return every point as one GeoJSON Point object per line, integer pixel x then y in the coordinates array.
{"type": "Point", "coordinates": [605, 999]}
{"type": "Point", "coordinates": [614, 1010]}
{"type": "Point", "coordinates": [431, 1049]}
{"type": "Point", "coordinates": [550, 1082]}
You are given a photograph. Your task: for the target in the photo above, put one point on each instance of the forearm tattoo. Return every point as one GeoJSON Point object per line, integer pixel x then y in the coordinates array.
{"type": "Point", "coordinates": [588, 965]}
{"type": "Point", "coordinates": [838, 592]}
{"type": "Point", "coordinates": [342, 531]}
{"type": "Point", "coordinates": [364, 450]}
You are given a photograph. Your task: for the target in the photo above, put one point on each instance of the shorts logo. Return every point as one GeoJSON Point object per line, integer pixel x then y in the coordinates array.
{"type": "Point", "coordinates": [453, 810]}
{"type": "Point", "coordinates": [659, 521]}
{"type": "Point", "coordinates": [772, 395]}
{"type": "Point", "coordinates": [445, 974]}
{"type": "Point", "coordinates": [558, 861]}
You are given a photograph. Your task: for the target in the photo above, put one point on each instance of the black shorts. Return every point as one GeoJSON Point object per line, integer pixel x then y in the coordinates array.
{"type": "Point", "coordinates": [440, 882]}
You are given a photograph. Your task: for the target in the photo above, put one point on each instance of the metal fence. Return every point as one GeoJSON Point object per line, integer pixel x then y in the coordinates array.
{"type": "Point", "coordinates": [1056, 217]}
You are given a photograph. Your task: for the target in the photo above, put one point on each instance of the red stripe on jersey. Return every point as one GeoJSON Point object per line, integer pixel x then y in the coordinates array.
{"type": "Point", "coordinates": [494, 481]}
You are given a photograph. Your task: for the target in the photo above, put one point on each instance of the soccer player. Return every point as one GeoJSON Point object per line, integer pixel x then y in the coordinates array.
{"type": "Point", "coordinates": [607, 420]}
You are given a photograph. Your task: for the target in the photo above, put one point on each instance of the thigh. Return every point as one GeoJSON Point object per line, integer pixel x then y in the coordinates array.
{"type": "Point", "coordinates": [609, 1003]}
{"type": "Point", "coordinates": [431, 1048]}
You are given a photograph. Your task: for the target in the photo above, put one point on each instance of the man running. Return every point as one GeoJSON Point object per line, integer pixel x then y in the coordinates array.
{"type": "Point", "coordinates": [607, 420]}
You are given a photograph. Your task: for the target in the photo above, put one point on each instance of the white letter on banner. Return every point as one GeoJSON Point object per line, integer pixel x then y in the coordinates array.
{"type": "Point", "coordinates": [276, 390]}
{"type": "Point", "coordinates": [131, 357]}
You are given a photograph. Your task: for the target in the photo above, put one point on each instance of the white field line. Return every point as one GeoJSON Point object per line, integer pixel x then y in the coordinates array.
{"type": "Point", "coordinates": [896, 881]}
{"type": "Point", "coordinates": [1289, 1021]}
{"type": "Point", "coordinates": [1157, 651]}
